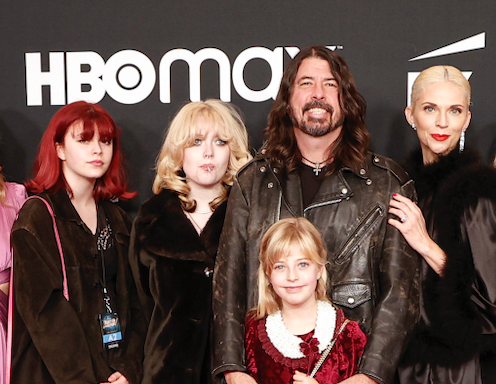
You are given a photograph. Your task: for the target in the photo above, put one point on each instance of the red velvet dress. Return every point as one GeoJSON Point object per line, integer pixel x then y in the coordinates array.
{"type": "Point", "coordinates": [268, 366]}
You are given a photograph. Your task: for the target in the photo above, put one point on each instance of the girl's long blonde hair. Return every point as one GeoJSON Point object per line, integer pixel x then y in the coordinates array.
{"type": "Point", "coordinates": [182, 133]}
{"type": "Point", "coordinates": [275, 245]}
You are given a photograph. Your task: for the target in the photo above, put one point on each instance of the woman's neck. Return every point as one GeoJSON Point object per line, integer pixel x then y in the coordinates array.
{"type": "Point", "coordinates": [302, 319]}
{"type": "Point", "coordinates": [204, 195]}
{"type": "Point", "coordinates": [429, 158]}
{"type": "Point", "coordinates": [84, 202]}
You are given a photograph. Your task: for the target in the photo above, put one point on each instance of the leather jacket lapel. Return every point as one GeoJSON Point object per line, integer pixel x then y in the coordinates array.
{"type": "Point", "coordinates": [333, 189]}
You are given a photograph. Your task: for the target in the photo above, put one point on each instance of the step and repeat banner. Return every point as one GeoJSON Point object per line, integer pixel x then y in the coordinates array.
{"type": "Point", "coordinates": [142, 60]}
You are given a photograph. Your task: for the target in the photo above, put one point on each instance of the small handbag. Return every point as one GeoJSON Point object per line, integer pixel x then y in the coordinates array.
{"type": "Point", "coordinates": [11, 287]}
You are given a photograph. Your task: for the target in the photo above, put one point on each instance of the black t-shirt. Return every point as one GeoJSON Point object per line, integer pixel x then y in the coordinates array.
{"type": "Point", "coordinates": [310, 182]}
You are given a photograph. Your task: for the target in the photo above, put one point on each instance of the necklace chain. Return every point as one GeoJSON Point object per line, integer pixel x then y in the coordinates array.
{"type": "Point", "coordinates": [193, 221]}
{"type": "Point", "coordinates": [317, 165]}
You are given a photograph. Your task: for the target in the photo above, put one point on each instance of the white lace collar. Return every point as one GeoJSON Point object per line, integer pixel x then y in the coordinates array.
{"type": "Point", "coordinates": [289, 344]}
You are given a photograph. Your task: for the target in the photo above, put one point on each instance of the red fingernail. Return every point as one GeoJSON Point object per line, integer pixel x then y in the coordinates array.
{"type": "Point", "coordinates": [395, 194]}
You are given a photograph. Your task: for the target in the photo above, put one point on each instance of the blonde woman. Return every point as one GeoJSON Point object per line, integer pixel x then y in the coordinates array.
{"type": "Point", "coordinates": [175, 237]}
{"type": "Point", "coordinates": [453, 228]}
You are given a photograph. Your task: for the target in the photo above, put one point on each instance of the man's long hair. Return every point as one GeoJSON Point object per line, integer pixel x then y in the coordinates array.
{"type": "Point", "coordinates": [350, 148]}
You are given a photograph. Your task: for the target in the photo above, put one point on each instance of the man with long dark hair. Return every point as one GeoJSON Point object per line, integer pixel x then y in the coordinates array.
{"type": "Point", "coordinates": [315, 163]}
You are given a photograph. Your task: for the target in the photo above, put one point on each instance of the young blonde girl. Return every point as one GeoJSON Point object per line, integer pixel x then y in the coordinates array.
{"type": "Point", "coordinates": [295, 334]}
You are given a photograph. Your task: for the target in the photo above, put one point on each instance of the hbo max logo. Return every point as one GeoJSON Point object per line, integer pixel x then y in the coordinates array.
{"type": "Point", "coordinates": [129, 76]}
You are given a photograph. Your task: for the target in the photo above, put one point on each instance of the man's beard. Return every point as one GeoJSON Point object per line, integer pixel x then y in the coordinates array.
{"type": "Point", "coordinates": [319, 128]}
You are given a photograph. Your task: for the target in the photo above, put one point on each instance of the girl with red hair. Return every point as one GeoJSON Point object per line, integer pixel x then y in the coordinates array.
{"type": "Point", "coordinates": [89, 335]}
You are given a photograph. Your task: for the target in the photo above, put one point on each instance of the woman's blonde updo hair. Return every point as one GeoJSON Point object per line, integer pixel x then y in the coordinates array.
{"type": "Point", "coordinates": [440, 73]}
{"type": "Point", "coordinates": [275, 245]}
{"type": "Point", "coordinates": [181, 134]}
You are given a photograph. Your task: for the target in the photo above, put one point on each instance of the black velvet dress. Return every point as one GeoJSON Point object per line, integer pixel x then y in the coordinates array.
{"type": "Point", "coordinates": [455, 340]}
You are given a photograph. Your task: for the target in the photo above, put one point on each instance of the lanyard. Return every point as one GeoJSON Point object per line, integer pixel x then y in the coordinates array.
{"type": "Point", "coordinates": [104, 242]}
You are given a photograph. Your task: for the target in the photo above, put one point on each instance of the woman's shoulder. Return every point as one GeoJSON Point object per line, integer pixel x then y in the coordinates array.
{"type": "Point", "coordinates": [157, 204]}
{"type": "Point", "coordinates": [161, 220]}
{"type": "Point", "coordinates": [35, 207]}
{"type": "Point", "coordinates": [471, 183]}
{"type": "Point", "coordinates": [460, 179]}
{"type": "Point", "coordinates": [34, 219]}
{"type": "Point", "coordinates": [16, 194]}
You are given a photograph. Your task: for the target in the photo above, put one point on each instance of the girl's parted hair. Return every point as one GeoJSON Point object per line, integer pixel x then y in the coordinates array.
{"type": "Point", "coordinates": [440, 73]}
{"type": "Point", "coordinates": [275, 245]}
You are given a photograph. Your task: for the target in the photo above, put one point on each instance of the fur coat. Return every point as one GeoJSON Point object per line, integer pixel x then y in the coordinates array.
{"type": "Point", "coordinates": [173, 269]}
{"type": "Point", "coordinates": [457, 196]}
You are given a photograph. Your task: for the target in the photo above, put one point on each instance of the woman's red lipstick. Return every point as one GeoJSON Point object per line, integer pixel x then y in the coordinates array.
{"type": "Point", "coordinates": [440, 137]}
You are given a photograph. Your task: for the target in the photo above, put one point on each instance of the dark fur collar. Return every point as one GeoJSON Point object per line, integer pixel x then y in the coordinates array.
{"type": "Point", "coordinates": [164, 230]}
{"type": "Point", "coordinates": [455, 183]}
{"type": "Point", "coordinates": [427, 178]}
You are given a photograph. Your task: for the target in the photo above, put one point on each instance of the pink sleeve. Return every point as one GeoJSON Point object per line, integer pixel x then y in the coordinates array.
{"type": "Point", "coordinates": [15, 196]}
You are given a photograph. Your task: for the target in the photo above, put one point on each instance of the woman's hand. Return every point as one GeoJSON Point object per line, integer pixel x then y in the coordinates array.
{"type": "Point", "coordinates": [412, 226]}
{"type": "Point", "coordinates": [116, 378]}
{"type": "Point", "coordinates": [300, 377]}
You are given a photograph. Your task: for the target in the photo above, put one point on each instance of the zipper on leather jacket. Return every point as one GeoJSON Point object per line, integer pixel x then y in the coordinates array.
{"type": "Point", "coordinates": [282, 199]}
{"type": "Point", "coordinates": [317, 205]}
{"type": "Point", "coordinates": [359, 234]}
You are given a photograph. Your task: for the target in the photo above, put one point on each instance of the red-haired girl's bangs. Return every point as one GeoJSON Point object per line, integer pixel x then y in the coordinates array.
{"type": "Point", "coordinates": [105, 125]}
{"type": "Point", "coordinates": [47, 175]}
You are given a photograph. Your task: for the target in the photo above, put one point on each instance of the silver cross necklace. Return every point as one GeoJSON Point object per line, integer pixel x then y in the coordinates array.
{"type": "Point", "coordinates": [318, 166]}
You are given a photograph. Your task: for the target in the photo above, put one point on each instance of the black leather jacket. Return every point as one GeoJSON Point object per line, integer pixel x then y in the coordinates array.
{"type": "Point", "coordinates": [373, 272]}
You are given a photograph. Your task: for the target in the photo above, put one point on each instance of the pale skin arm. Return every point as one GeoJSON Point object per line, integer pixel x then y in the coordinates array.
{"type": "Point", "coordinates": [235, 377]}
{"type": "Point", "coordinates": [359, 378]}
{"type": "Point", "coordinates": [415, 232]}
{"type": "Point", "coordinates": [116, 378]}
